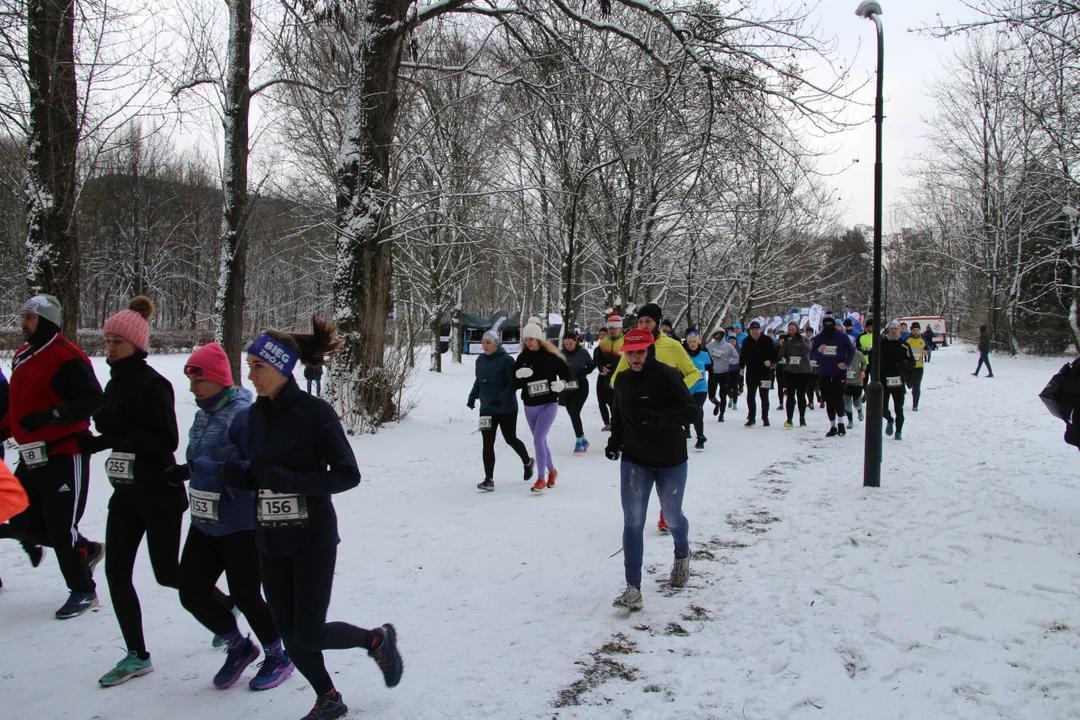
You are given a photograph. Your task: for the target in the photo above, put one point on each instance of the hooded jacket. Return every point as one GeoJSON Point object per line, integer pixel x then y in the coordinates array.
{"type": "Point", "coordinates": [494, 384]}
{"type": "Point", "coordinates": [650, 408]}
{"type": "Point", "coordinates": [724, 355]}
{"type": "Point", "coordinates": [896, 360]}
{"type": "Point", "coordinates": [580, 363]}
{"type": "Point", "coordinates": [795, 355]}
{"type": "Point", "coordinates": [984, 340]}
{"type": "Point", "coordinates": [219, 435]}
{"type": "Point", "coordinates": [838, 351]}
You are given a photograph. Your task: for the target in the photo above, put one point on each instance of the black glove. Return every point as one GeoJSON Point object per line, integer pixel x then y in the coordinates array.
{"type": "Point", "coordinates": [107, 423]}
{"type": "Point", "coordinates": [176, 474]}
{"type": "Point", "coordinates": [236, 475]}
{"type": "Point", "coordinates": [471, 404]}
{"type": "Point", "coordinates": [32, 422]}
{"type": "Point", "coordinates": [611, 452]}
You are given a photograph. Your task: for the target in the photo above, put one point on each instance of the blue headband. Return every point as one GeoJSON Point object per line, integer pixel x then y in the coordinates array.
{"type": "Point", "coordinates": [274, 354]}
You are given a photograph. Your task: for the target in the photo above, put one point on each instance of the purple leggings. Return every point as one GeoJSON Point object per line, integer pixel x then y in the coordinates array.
{"type": "Point", "coordinates": [540, 419]}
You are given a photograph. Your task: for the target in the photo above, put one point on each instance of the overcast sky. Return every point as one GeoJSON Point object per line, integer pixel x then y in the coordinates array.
{"type": "Point", "coordinates": [912, 61]}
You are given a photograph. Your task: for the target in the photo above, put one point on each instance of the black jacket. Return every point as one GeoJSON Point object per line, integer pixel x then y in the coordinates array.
{"type": "Point", "coordinates": [896, 359]}
{"type": "Point", "coordinates": [547, 367]}
{"type": "Point", "coordinates": [755, 353]}
{"type": "Point", "coordinates": [984, 342]}
{"type": "Point", "coordinates": [650, 408]}
{"type": "Point", "coordinates": [794, 355]}
{"type": "Point", "coordinates": [139, 417]}
{"type": "Point", "coordinates": [296, 445]}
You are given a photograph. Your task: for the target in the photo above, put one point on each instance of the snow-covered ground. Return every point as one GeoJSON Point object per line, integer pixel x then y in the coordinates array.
{"type": "Point", "coordinates": [953, 591]}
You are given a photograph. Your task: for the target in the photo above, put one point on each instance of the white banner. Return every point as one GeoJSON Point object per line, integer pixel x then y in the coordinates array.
{"type": "Point", "coordinates": [815, 317]}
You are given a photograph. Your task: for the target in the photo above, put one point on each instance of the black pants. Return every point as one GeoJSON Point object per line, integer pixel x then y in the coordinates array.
{"type": "Point", "coordinates": [780, 383]}
{"type": "Point", "coordinates": [718, 390]}
{"type": "Point", "coordinates": [124, 530]}
{"type": "Point", "coordinates": [914, 381]}
{"type": "Point", "coordinates": [298, 592]}
{"type": "Point", "coordinates": [797, 384]}
{"type": "Point", "coordinates": [699, 421]}
{"type": "Point", "coordinates": [508, 424]}
{"type": "Point", "coordinates": [574, 401]}
{"type": "Point", "coordinates": [897, 394]}
{"type": "Point", "coordinates": [57, 494]}
{"type": "Point", "coordinates": [736, 385]}
{"type": "Point", "coordinates": [753, 392]}
{"type": "Point", "coordinates": [605, 397]}
{"type": "Point", "coordinates": [205, 558]}
{"type": "Point", "coordinates": [832, 389]}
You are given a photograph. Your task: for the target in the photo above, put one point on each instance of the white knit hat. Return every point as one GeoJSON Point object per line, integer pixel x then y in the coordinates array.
{"type": "Point", "coordinates": [532, 330]}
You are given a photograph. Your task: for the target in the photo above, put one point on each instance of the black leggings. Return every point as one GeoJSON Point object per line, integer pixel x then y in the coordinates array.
{"type": "Point", "coordinates": [897, 394]}
{"type": "Point", "coordinates": [574, 402]}
{"type": "Point", "coordinates": [604, 397]}
{"type": "Point", "coordinates": [797, 384]}
{"type": "Point", "coordinates": [205, 558]}
{"type": "Point", "coordinates": [699, 421]}
{"type": "Point", "coordinates": [508, 425]}
{"type": "Point", "coordinates": [718, 390]}
{"type": "Point", "coordinates": [57, 495]}
{"type": "Point", "coordinates": [298, 592]}
{"type": "Point", "coordinates": [832, 389]}
{"type": "Point", "coordinates": [124, 530]}
{"type": "Point", "coordinates": [914, 381]}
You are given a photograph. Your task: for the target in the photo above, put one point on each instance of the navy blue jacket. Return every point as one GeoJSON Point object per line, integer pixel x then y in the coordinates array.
{"type": "Point", "coordinates": [219, 435]}
{"type": "Point", "coordinates": [829, 361]}
{"type": "Point", "coordinates": [297, 445]}
{"type": "Point", "coordinates": [494, 385]}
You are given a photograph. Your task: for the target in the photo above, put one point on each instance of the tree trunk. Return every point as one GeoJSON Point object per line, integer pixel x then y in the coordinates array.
{"type": "Point", "coordinates": [52, 241]}
{"type": "Point", "coordinates": [229, 308]}
{"type": "Point", "coordinates": [436, 334]}
{"type": "Point", "coordinates": [359, 388]}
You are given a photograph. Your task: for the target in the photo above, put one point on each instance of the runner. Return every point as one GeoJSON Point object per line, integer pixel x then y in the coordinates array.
{"type": "Point", "coordinates": [853, 396]}
{"type": "Point", "coordinates": [757, 357]}
{"type": "Point", "coordinates": [796, 357]}
{"type": "Point", "coordinates": [53, 393]}
{"type": "Point", "coordinates": [700, 390]}
{"type": "Point", "coordinates": [606, 359]}
{"type": "Point", "coordinates": [222, 534]}
{"type": "Point", "coordinates": [300, 457]}
{"type": "Point", "coordinates": [138, 425]}
{"type": "Point", "coordinates": [896, 360]}
{"type": "Point", "coordinates": [651, 406]}
{"type": "Point", "coordinates": [494, 387]}
{"type": "Point", "coordinates": [541, 373]}
{"type": "Point", "coordinates": [914, 376]}
{"type": "Point", "coordinates": [724, 355]}
{"type": "Point", "coordinates": [577, 387]}
{"type": "Point", "coordinates": [834, 352]}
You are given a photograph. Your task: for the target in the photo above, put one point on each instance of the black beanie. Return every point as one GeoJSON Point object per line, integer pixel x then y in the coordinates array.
{"type": "Point", "coordinates": [569, 335]}
{"type": "Point", "coordinates": [651, 310]}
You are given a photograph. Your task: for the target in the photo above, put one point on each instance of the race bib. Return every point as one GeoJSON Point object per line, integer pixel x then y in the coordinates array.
{"type": "Point", "coordinates": [538, 387]}
{"type": "Point", "coordinates": [813, 363]}
{"type": "Point", "coordinates": [700, 375]}
{"type": "Point", "coordinates": [120, 468]}
{"type": "Point", "coordinates": [572, 385]}
{"type": "Point", "coordinates": [717, 354]}
{"type": "Point", "coordinates": [794, 361]}
{"type": "Point", "coordinates": [766, 384]}
{"type": "Point", "coordinates": [34, 454]}
{"type": "Point", "coordinates": [277, 510]}
{"type": "Point", "coordinates": [204, 506]}
{"type": "Point", "coordinates": [830, 351]}
{"type": "Point", "coordinates": [894, 382]}
{"type": "Point", "coordinates": [485, 422]}
{"type": "Point", "coordinates": [850, 374]}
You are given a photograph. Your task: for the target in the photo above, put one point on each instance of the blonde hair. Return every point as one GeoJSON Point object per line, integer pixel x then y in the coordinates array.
{"type": "Point", "coordinates": [546, 345]}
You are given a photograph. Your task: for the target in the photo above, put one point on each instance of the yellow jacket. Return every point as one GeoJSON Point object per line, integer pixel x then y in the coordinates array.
{"type": "Point", "coordinates": [918, 349]}
{"type": "Point", "coordinates": [670, 352]}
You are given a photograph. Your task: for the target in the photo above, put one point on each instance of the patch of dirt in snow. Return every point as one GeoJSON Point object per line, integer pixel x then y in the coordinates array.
{"type": "Point", "coordinates": [599, 669]}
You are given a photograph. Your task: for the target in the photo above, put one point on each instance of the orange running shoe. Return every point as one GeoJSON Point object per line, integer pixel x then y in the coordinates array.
{"type": "Point", "coordinates": [539, 486]}
{"type": "Point", "coordinates": [552, 474]}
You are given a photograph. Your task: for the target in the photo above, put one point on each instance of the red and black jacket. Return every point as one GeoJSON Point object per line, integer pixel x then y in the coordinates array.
{"type": "Point", "coordinates": [52, 373]}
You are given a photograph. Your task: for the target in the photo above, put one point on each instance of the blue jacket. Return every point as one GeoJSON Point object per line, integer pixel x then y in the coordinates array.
{"type": "Point", "coordinates": [703, 362]}
{"type": "Point", "coordinates": [218, 435]}
{"type": "Point", "coordinates": [828, 362]}
{"type": "Point", "coordinates": [742, 335]}
{"type": "Point", "coordinates": [494, 385]}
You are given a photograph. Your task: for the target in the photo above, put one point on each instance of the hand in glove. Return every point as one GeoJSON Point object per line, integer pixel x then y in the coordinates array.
{"type": "Point", "coordinates": [611, 452]}
{"type": "Point", "coordinates": [236, 475]}
{"type": "Point", "coordinates": [471, 404]}
{"type": "Point", "coordinates": [32, 422]}
{"type": "Point", "coordinates": [107, 423]}
{"type": "Point", "coordinates": [558, 386]}
{"type": "Point", "coordinates": [524, 372]}
{"type": "Point", "coordinates": [176, 474]}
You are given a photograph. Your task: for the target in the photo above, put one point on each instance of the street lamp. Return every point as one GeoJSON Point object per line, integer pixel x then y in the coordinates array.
{"type": "Point", "coordinates": [885, 285]}
{"type": "Point", "coordinates": [871, 10]}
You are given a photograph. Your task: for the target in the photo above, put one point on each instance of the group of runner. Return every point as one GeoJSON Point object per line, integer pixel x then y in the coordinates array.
{"type": "Point", "coordinates": [257, 485]}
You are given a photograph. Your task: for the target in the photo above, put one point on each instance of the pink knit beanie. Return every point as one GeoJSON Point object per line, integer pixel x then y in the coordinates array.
{"type": "Point", "coordinates": [212, 364]}
{"type": "Point", "coordinates": [133, 324]}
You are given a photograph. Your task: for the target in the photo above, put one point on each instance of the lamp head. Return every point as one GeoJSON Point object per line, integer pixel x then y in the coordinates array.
{"type": "Point", "coordinates": [868, 8]}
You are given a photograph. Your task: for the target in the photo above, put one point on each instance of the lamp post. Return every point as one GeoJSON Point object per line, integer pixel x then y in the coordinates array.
{"type": "Point", "coordinates": [885, 286]}
{"type": "Point", "coordinates": [871, 10]}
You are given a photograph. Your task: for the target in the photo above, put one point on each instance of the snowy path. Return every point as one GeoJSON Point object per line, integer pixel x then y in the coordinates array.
{"type": "Point", "coordinates": [951, 592]}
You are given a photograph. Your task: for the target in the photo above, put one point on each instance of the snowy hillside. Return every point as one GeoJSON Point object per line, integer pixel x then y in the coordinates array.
{"type": "Point", "coordinates": [953, 591]}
